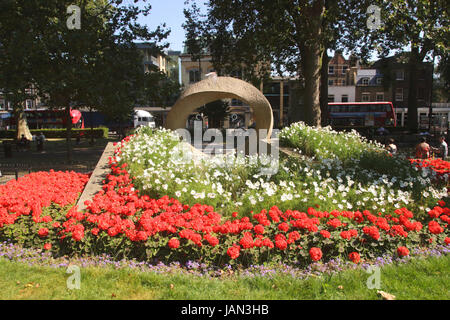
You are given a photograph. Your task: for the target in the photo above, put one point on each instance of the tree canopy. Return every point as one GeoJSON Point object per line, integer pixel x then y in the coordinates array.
{"type": "Point", "coordinates": [291, 37]}
{"type": "Point", "coordinates": [282, 37]}
{"type": "Point", "coordinates": [80, 58]}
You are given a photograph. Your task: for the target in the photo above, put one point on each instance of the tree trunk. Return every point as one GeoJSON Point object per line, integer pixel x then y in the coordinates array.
{"type": "Point", "coordinates": [22, 126]}
{"type": "Point", "coordinates": [324, 88]}
{"type": "Point", "coordinates": [69, 134]}
{"type": "Point", "coordinates": [413, 125]}
{"type": "Point", "coordinates": [311, 63]}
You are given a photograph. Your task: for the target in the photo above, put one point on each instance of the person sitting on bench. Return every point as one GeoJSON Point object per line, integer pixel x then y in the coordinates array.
{"type": "Point", "coordinates": [23, 143]}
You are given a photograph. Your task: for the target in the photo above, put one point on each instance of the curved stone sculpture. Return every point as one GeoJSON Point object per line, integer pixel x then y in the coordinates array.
{"type": "Point", "coordinates": [216, 88]}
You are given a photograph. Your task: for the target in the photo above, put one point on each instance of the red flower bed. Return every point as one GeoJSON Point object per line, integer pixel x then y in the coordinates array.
{"type": "Point", "coordinates": [441, 167]}
{"type": "Point", "coordinates": [121, 222]}
{"type": "Point", "coordinates": [30, 194]}
{"type": "Point", "coordinates": [169, 228]}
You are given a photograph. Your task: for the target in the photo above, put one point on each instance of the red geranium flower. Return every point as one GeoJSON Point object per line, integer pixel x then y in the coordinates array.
{"type": "Point", "coordinates": [281, 244]}
{"type": "Point", "coordinates": [435, 227]}
{"type": "Point", "coordinates": [354, 257]}
{"type": "Point", "coordinates": [259, 229]}
{"type": "Point", "coordinates": [283, 227]}
{"type": "Point", "coordinates": [402, 251]}
{"type": "Point", "coordinates": [174, 243]}
{"type": "Point", "coordinates": [447, 240]}
{"type": "Point", "coordinates": [43, 232]}
{"type": "Point", "coordinates": [315, 254]}
{"type": "Point", "coordinates": [233, 252]}
{"type": "Point", "coordinates": [325, 233]}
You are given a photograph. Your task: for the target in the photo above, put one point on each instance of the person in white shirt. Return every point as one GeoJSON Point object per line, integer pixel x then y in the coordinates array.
{"type": "Point", "coordinates": [443, 148]}
{"type": "Point", "coordinates": [391, 147]}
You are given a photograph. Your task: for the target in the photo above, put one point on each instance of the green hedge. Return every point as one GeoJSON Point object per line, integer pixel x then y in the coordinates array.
{"type": "Point", "coordinates": [101, 132]}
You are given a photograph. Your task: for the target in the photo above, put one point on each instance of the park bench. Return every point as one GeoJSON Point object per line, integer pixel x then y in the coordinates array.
{"type": "Point", "coordinates": [14, 168]}
{"type": "Point", "coordinates": [22, 146]}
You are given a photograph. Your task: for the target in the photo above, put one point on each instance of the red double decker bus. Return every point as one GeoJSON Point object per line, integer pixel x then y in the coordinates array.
{"type": "Point", "coordinates": [361, 114]}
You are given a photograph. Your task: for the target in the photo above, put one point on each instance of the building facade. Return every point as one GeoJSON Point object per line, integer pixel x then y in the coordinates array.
{"type": "Point", "coordinates": [277, 90]}
{"type": "Point", "coordinates": [370, 86]}
{"type": "Point", "coordinates": [341, 78]}
{"type": "Point", "coordinates": [152, 57]}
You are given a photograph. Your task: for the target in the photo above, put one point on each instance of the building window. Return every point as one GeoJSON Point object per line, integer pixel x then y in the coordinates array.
{"type": "Point", "coordinates": [2, 104]}
{"type": "Point", "coordinates": [330, 82]}
{"type": "Point", "coordinates": [365, 97]}
{"type": "Point", "coordinates": [28, 104]}
{"type": "Point", "coordinates": [342, 82]}
{"type": "Point", "coordinates": [194, 76]}
{"type": "Point", "coordinates": [421, 93]}
{"type": "Point", "coordinates": [331, 98]}
{"type": "Point", "coordinates": [330, 69]}
{"type": "Point", "coordinates": [379, 81]}
{"type": "Point", "coordinates": [344, 69]}
{"type": "Point", "coordinates": [399, 75]}
{"type": "Point", "coordinates": [272, 88]}
{"type": "Point", "coordinates": [365, 81]}
{"type": "Point", "coordinates": [399, 94]}
{"type": "Point", "coordinates": [380, 96]}
{"type": "Point", "coordinates": [344, 98]}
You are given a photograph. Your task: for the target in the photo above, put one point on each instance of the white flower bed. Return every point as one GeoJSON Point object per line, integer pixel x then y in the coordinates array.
{"type": "Point", "coordinates": [231, 183]}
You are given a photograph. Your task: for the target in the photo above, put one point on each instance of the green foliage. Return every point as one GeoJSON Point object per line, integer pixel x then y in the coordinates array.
{"type": "Point", "coordinates": [16, 41]}
{"type": "Point", "coordinates": [24, 231]}
{"type": "Point", "coordinates": [97, 66]}
{"type": "Point", "coordinates": [419, 279]}
{"type": "Point", "coordinates": [326, 143]}
{"type": "Point", "coordinates": [101, 132]}
{"type": "Point", "coordinates": [215, 112]}
{"type": "Point", "coordinates": [419, 25]}
{"type": "Point", "coordinates": [262, 38]}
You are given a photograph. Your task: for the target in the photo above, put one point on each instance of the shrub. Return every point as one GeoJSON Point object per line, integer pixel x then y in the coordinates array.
{"type": "Point", "coordinates": [100, 132]}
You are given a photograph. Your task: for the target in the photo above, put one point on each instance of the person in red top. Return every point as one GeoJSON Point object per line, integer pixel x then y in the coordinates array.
{"type": "Point", "coordinates": [423, 149]}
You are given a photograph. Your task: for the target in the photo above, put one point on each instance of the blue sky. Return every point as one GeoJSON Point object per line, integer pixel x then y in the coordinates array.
{"type": "Point", "coordinates": [169, 12]}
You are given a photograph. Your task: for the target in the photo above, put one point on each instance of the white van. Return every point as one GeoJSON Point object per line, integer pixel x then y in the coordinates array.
{"type": "Point", "coordinates": [143, 118]}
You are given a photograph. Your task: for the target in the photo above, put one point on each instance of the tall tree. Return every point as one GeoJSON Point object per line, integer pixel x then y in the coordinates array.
{"type": "Point", "coordinates": [417, 27]}
{"type": "Point", "coordinates": [195, 42]}
{"type": "Point", "coordinates": [16, 65]}
{"type": "Point", "coordinates": [281, 36]}
{"type": "Point", "coordinates": [95, 64]}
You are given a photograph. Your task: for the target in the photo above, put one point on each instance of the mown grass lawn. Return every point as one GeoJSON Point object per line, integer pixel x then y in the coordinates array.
{"type": "Point", "coordinates": [422, 278]}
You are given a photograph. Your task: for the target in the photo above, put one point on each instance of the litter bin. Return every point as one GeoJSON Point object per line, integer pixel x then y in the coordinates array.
{"type": "Point", "coordinates": [7, 148]}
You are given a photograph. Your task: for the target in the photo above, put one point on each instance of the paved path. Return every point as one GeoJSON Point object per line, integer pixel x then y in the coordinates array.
{"type": "Point", "coordinates": [95, 183]}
